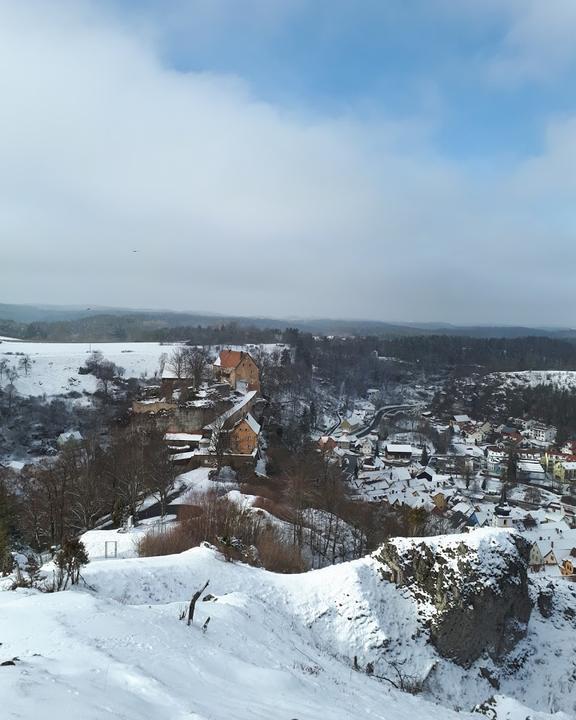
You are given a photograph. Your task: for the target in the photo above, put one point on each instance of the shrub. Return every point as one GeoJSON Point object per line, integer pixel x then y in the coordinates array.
{"type": "Point", "coordinates": [239, 533]}
{"type": "Point", "coordinates": [278, 556]}
{"type": "Point", "coordinates": [170, 542]}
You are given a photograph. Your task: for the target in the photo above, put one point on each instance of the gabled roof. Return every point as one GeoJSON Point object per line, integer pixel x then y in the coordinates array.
{"type": "Point", "coordinates": [229, 359]}
{"type": "Point", "coordinates": [403, 449]}
{"type": "Point", "coordinates": [254, 426]}
{"type": "Point", "coordinates": [218, 423]}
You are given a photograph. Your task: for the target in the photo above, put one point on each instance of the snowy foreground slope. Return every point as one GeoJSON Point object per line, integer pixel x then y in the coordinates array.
{"type": "Point", "coordinates": [277, 647]}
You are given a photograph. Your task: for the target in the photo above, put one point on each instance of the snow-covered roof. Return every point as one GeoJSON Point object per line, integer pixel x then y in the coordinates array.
{"type": "Point", "coordinates": [403, 449]}
{"type": "Point", "coordinates": [464, 508]}
{"type": "Point", "coordinates": [253, 425]}
{"type": "Point", "coordinates": [354, 419]}
{"type": "Point", "coordinates": [244, 400]}
{"type": "Point", "coordinates": [182, 437]}
{"type": "Point", "coordinates": [184, 455]}
{"type": "Point", "coordinates": [70, 435]}
{"type": "Point", "coordinates": [530, 466]}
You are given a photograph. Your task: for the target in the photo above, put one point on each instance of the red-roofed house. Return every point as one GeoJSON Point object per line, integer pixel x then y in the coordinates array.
{"type": "Point", "coordinates": [238, 369]}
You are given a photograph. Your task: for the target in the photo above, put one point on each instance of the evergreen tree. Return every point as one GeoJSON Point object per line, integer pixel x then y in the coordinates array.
{"type": "Point", "coordinates": [425, 457]}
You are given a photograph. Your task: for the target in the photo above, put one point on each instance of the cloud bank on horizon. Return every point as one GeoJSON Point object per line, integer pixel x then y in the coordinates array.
{"type": "Point", "coordinates": [291, 157]}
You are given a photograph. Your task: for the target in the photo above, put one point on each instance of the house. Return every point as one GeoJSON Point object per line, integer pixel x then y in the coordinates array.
{"type": "Point", "coordinates": [479, 433]}
{"type": "Point", "coordinates": [345, 441]}
{"type": "Point", "coordinates": [366, 446]}
{"type": "Point", "coordinates": [539, 432]}
{"type": "Point", "coordinates": [243, 437]}
{"type": "Point", "coordinates": [565, 470]}
{"type": "Point", "coordinates": [240, 409]}
{"type": "Point", "coordinates": [535, 559]}
{"type": "Point", "coordinates": [466, 511]}
{"type": "Point", "coordinates": [71, 436]}
{"type": "Point", "coordinates": [440, 500]}
{"type": "Point", "coordinates": [326, 444]}
{"type": "Point", "coordinates": [398, 453]}
{"type": "Point", "coordinates": [495, 458]}
{"type": "Point", "coordinates": [351, 423]}
{"type": "Point", "coordinates": [568, 567]}
{"type": "Point", "coordinates": [179, 442]}
{"type": "Point", "coordinates": [569, 506]}
{"type": "Point", "coordinates": [530, 470]}
{"type": "Point", "coordinates": [548, 554]}
{"type": "Point", "coordinates": [238, 369]}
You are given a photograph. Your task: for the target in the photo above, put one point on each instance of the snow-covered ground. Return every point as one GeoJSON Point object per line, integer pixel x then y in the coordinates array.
{"type": "Point", "coordinates": [557, 379]}
{"type": "Point", "coordinates": [276, 647]}
{"type": "Point", "coordinates": [54, 369]}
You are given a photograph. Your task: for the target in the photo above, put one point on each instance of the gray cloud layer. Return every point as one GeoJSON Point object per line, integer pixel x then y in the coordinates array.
{"type": "Point", "coordinates": [237, 206]}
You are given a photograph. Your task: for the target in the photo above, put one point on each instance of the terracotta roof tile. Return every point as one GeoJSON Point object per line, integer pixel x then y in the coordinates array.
{"type": "Point", "coordinates": [230, 358]}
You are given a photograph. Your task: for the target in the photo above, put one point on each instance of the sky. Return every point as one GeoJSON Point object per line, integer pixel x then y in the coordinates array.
{"type": "Point", "coordinates": [398, 161]}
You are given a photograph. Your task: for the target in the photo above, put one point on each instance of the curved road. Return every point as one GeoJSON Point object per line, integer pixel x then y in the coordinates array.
{"type": "Point", "coordinates": [381, 412]}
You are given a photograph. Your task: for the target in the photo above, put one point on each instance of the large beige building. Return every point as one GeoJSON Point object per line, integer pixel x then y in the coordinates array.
{"type": "Point", "coordinates": [238, 369]}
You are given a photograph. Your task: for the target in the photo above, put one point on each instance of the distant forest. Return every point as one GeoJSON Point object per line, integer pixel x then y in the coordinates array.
{"type": "Point", "coordinates": [490, 354]}
{"type": "Point", "coordinates": [335, 354]}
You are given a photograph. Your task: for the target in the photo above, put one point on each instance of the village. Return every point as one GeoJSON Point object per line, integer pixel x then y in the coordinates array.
{"type": "Point", "coordinates": [512, 475]}
{"type": "Point", "coordinates": [459, 471]}
{"type": "Point", "coordinates": [396, 454]}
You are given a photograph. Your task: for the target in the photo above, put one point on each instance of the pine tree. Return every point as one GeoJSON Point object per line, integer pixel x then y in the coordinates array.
{"type": "Point", "coordinates": [424, 458]}
{"type": "Point", "coordinates": [6, 558]}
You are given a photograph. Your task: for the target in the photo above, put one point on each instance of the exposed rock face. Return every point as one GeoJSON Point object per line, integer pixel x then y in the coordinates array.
{"type": "Point", "coordinates": [473, 589]}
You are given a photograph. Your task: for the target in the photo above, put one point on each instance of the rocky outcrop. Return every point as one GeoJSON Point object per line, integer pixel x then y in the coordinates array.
{"type": "Point", "coordinates": [472, 589]}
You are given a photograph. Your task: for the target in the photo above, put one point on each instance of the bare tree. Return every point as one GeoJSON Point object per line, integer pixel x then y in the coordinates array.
{"type": "Point", "coordinates": [177, 362]}
{"type": "Point", "coordinates": [220, 441]}
{"type": "Point", "coordinates": [25, 364]}
{"type": "Point", "coordinates": [3, 368]}
{"type": "Point", "coordinates": [106, 373]}
{"type": "Point", "coordinates": [11, 393]}
{"type": "Point", "coordinates": [162, 360]}
{"type": "Point", "coordinates": [159, 472]}
{"type": "Point", "coordinates": [12, 375]}
{"type": "Point", "coordinates": [196, 360]}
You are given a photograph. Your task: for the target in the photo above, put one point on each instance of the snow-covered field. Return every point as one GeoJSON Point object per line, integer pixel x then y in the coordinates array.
{"type": "Point", "coordinates": [54, 369]}
{"type": "Point", "coordinates": [276, 647]}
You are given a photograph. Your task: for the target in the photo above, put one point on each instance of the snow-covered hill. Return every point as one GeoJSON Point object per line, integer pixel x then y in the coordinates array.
{"type": "Point", "coordinates": [276, 647]}
{"type": "Point", "coordinates": [556, 379]}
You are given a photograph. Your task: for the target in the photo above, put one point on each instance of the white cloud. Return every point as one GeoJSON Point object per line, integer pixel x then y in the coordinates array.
{"type": "Point", "coordinates": [233, 204]}
{"type": "Point", "coordinates": [539, 42]}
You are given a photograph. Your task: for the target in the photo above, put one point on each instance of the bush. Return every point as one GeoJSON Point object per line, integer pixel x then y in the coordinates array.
{"type": "Point", "coordinates": [170, 542]}
{"type": "Point", "coordinates": [279, 557]}
{"type": "Point", "coordinates": [239, 533]}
